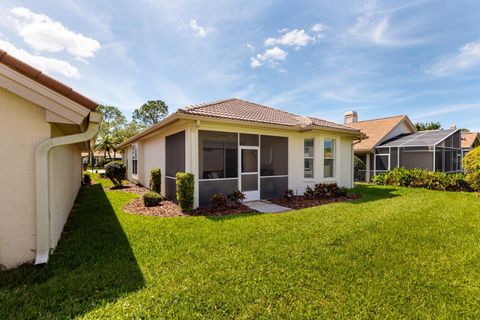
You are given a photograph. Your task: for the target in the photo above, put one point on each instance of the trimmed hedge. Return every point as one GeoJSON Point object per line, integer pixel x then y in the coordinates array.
{"type": "Point", "coordinates": [471, 164]}
{"type": "Point", "coordinates": [116, 171]}
{"type": "Point", "coordinates": [185, 188]}
{"type": "Point", "coordinates": [419, 178]}
{"type": "Point", "coordinates": [151, 199]}
{"type": "Point", "coordinates": [156, 180]}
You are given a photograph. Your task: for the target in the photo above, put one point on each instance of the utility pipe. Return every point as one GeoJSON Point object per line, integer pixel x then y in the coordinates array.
{"type": "Point", "coordinates": [42, 189]}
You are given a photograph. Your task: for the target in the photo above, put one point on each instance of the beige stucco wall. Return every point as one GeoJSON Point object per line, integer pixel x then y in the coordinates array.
{"type": "Point", "coordinates": [64, 182]}
{"type": "Point", "coordinates": [152, 148]}
{"type": "Point", "coordinates": [22, 128]}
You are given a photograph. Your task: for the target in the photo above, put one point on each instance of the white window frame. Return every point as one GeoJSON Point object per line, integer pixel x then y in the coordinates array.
{"type": "Point", "coordinates": [334, 158]}
{"type": "Point", "coordinates": [309, 158]}
{"type": "Point", "coordinates": [134, 159]}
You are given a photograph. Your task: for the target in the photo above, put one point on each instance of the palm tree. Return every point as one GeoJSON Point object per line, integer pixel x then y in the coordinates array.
{"type": "Point", "coordinates": [106, 145]}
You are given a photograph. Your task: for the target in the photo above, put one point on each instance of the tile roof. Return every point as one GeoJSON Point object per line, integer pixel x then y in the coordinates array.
{"type": "Point", "coordinates": [468, 139]}
{"type": "Point", "coordinates": [238, 109]}
{"type": "Point", "coordinates": [52, 84]}
{"type": "Point", "coordinates": [376, 130]}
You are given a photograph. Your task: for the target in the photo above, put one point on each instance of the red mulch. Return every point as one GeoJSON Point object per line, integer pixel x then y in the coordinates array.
{"type": "Point", "coordinates": [300, 202]}
{"type": "Point", "coordinates": [169, 208]}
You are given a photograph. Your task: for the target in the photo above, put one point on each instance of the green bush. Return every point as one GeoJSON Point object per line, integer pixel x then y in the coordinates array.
{"type": "Point", "coordinates": [309, 193]}
{"type": "Point", "coordinates": [288, 194]}
{"type": "Point", "coordinates": [87, 179]}
{"type": "Point", "coordinates": [358, 165]}
{"type": "Point", "coordinates": [151, 199]}
{"type": "Point", "coordinates": [236, 197]}
{"type": "Point", "coordinates": [471, 165]}
{"type": "Point", "coordinates": [116, 171]}
{"type": "Point", "coordinates": [419, 178]}
{"type": "Point", "coordinates": [185, 188]}
{"type": "Point", "coordinates": [156, 180]}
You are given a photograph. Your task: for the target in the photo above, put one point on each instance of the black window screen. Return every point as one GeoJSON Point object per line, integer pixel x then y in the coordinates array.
{"type": "Point", "coordinates": [248, 139]}
{"type": "Point", "coordinates": [218, 154]}
{"type": "Point", "coordinates": [273, 156]}
{"type": "Point", "coordinates": [175, 154]}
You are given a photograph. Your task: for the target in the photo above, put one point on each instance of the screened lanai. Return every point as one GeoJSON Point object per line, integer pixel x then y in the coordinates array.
{"type": "Point", "coordinates": [435, 150]}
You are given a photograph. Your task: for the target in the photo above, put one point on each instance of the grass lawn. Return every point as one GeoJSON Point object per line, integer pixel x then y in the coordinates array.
{"type": "Point", "coordinates": [394, 253]}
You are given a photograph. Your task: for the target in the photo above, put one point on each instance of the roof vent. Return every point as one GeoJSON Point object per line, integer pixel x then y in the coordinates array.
{"type": "Point", "coordinates": [350, 117]}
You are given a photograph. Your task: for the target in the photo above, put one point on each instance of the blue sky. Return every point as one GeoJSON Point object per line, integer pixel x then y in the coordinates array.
{"type": "Point", "coordinates": [318, 58]}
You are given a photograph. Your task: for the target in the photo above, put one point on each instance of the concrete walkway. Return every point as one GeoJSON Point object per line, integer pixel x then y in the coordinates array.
{"type": "Point", "coordinates": [264, 206]}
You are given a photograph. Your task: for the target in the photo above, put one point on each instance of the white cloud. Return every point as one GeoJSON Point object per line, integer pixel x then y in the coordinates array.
{"type": "Point", "coordinates": [319, 30]}
{"type": "Point", "coordinates": [47, 65]}
{"type": "Point", "coordinates": [270, 56]}
{"type": "Point", "coordinates": [199, 30]}
{"type": "Point", "coordinates": [249, 46]}
{"type": "Point", "coordinates": [44, 34]}
{"type": "Point", "coordinates": [467, 57]}
{"type": "Point", "coordinates": [298, 38]}
{"type": "Point", "coordinates": [440, 110]}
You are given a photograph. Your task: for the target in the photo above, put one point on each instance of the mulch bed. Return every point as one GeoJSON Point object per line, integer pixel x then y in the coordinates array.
{"type": "Point", "coordinates": [169, 208]}
{"type": "Point", "coordinates": [300, 202]}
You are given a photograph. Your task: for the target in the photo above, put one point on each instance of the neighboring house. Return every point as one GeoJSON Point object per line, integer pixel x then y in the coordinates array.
{"type": "Point", "coordinates": [470, 141]}
{"type": "Point", "coordinates": [377, 132]}
{"type": "Point", "coordinates": [44, 127]}
{"type": "Point", "coordinates": [235, 144]}
{"type": "Point", "coordinates": [392, 142]}
{"type": "Point", "coordinates": [99, 157]}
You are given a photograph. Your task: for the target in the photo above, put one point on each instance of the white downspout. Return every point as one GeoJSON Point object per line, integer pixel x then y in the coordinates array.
{"type": "Point", "coordinates": [42, 183]}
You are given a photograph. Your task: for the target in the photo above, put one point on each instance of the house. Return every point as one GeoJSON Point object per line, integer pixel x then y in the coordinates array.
{"type": "Point", "coordinates": [377, 132]}
{"type": "Point", "coordinates": [44, 127]}
{"type": "Point", "coordinates": [235, 144]}
{"type": "Point", "coordinates": [99, 157]}
{"type": "Point", "coordinates": [393, 142]}
{"type": "Point", "coordinates": [470, 141]}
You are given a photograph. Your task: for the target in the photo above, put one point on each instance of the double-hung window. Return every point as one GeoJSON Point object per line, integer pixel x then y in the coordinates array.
{"type": "Point", "coordinates": [328, 158]}
{"type": "Point", "coordinates": [308, 157]}
{"type": "Point", "coordinates": [134, 158]}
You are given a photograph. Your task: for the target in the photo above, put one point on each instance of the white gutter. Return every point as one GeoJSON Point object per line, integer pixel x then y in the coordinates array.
{"type": "Point", "coordinates": [42, 183]}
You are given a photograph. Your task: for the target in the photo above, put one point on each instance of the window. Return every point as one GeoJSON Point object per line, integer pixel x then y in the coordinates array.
{"type": "Point", "coordinates": [328, 158]}
{"type": "Point", "coordinates": [274, 156]}
{"type": "Point", "coordinates": [134, 159]}
{"type": "Point", "coordinates": [218, 154]}
{"type": "Point", "coordinates": [308, 154]}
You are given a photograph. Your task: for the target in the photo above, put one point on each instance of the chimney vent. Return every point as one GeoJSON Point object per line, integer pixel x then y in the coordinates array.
{"type": "Point", "coordinates": [350, 117]}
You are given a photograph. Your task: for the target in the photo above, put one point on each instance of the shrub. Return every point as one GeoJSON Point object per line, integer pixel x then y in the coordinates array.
{"type": "Point", "coordinates": [288, 194]}
{"type": "Point", "coordinates": [471, 165]}
{"type": "Point", "coordinates": [87, 179]}
{"type": "Point", "coordinates": [156, 180]}
{"type": "Point", "coordinates": [151, 199]}
{"type": "Point", "coordinates": [185, 188]}
{"type": "Point", "coordinates": [419, 178]}
{"type": "Point", "coordinates": [358, 165]}
{"type": "Point", "coordinates": [218, 201]}
{"type": "Point", "coordinates": [325, 190]}
{"type": "Point", "coordinates": [236, 197]}
{"type": "Point", "coordinates": [309, 193]}
{"type": "Point", "coordinates": [342, 192]}
{"type": "Point", "coordinates": [116, 171]}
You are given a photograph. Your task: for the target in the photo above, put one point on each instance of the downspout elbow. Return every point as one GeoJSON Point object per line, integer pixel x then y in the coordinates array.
{"type": "Point", "coordinates": [42, 192]}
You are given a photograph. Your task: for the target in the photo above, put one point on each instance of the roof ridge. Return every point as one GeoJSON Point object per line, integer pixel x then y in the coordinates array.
{"type": "Point", "coordinates": [205, 104]}
{"type": "Point", "coordinates": [383, 118]}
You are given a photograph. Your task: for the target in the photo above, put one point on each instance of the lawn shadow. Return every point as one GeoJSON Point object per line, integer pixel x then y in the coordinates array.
{"type": "Point", "coordinates": [369, 193]}
{"type": "Point", "coordinates": [92, 265]}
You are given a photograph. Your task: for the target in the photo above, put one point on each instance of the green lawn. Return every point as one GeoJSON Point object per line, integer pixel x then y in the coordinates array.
{"type": "Point", "coordinates": [395, 253]}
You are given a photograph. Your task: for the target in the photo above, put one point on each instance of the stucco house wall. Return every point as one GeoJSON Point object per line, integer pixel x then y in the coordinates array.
{"type": "Point", "coordinates": [17, 176]}
{"type": "Point", "coordinates": [151, 153]}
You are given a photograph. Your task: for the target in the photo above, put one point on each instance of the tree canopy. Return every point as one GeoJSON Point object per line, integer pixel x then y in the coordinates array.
{"type": "Point", "coordinates": [422, 126]}
{"type": "Point", "coordinates": [150, 113]}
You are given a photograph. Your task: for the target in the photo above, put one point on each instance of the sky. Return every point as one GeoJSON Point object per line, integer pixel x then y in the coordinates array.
{"type": "Point", "coordinates": [316, 58]}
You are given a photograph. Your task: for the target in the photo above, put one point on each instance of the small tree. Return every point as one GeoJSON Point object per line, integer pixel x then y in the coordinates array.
{"type": "Point", "coordinates": [185, 187]}
{"type": "Point", "coordinates": [156, 180]}
{"type": "Point", "coordinates": [116, 171]}
{"type": "Point", "coordinates": [150, 113]}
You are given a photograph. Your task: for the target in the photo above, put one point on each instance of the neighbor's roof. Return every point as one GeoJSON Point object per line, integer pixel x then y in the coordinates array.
{"type": "Point", "coordinates": [428, 138]}
{"type": "Point", "coordinates": [376, 130]}
{"type": "Point", "coordinates": [238, 109]}
{"type": "Point", "coordinates": [241, 110]}
{"type": "Point", "coordinates": [52, 84]}
{"type": "Point", "coordinates": [468, 139]}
